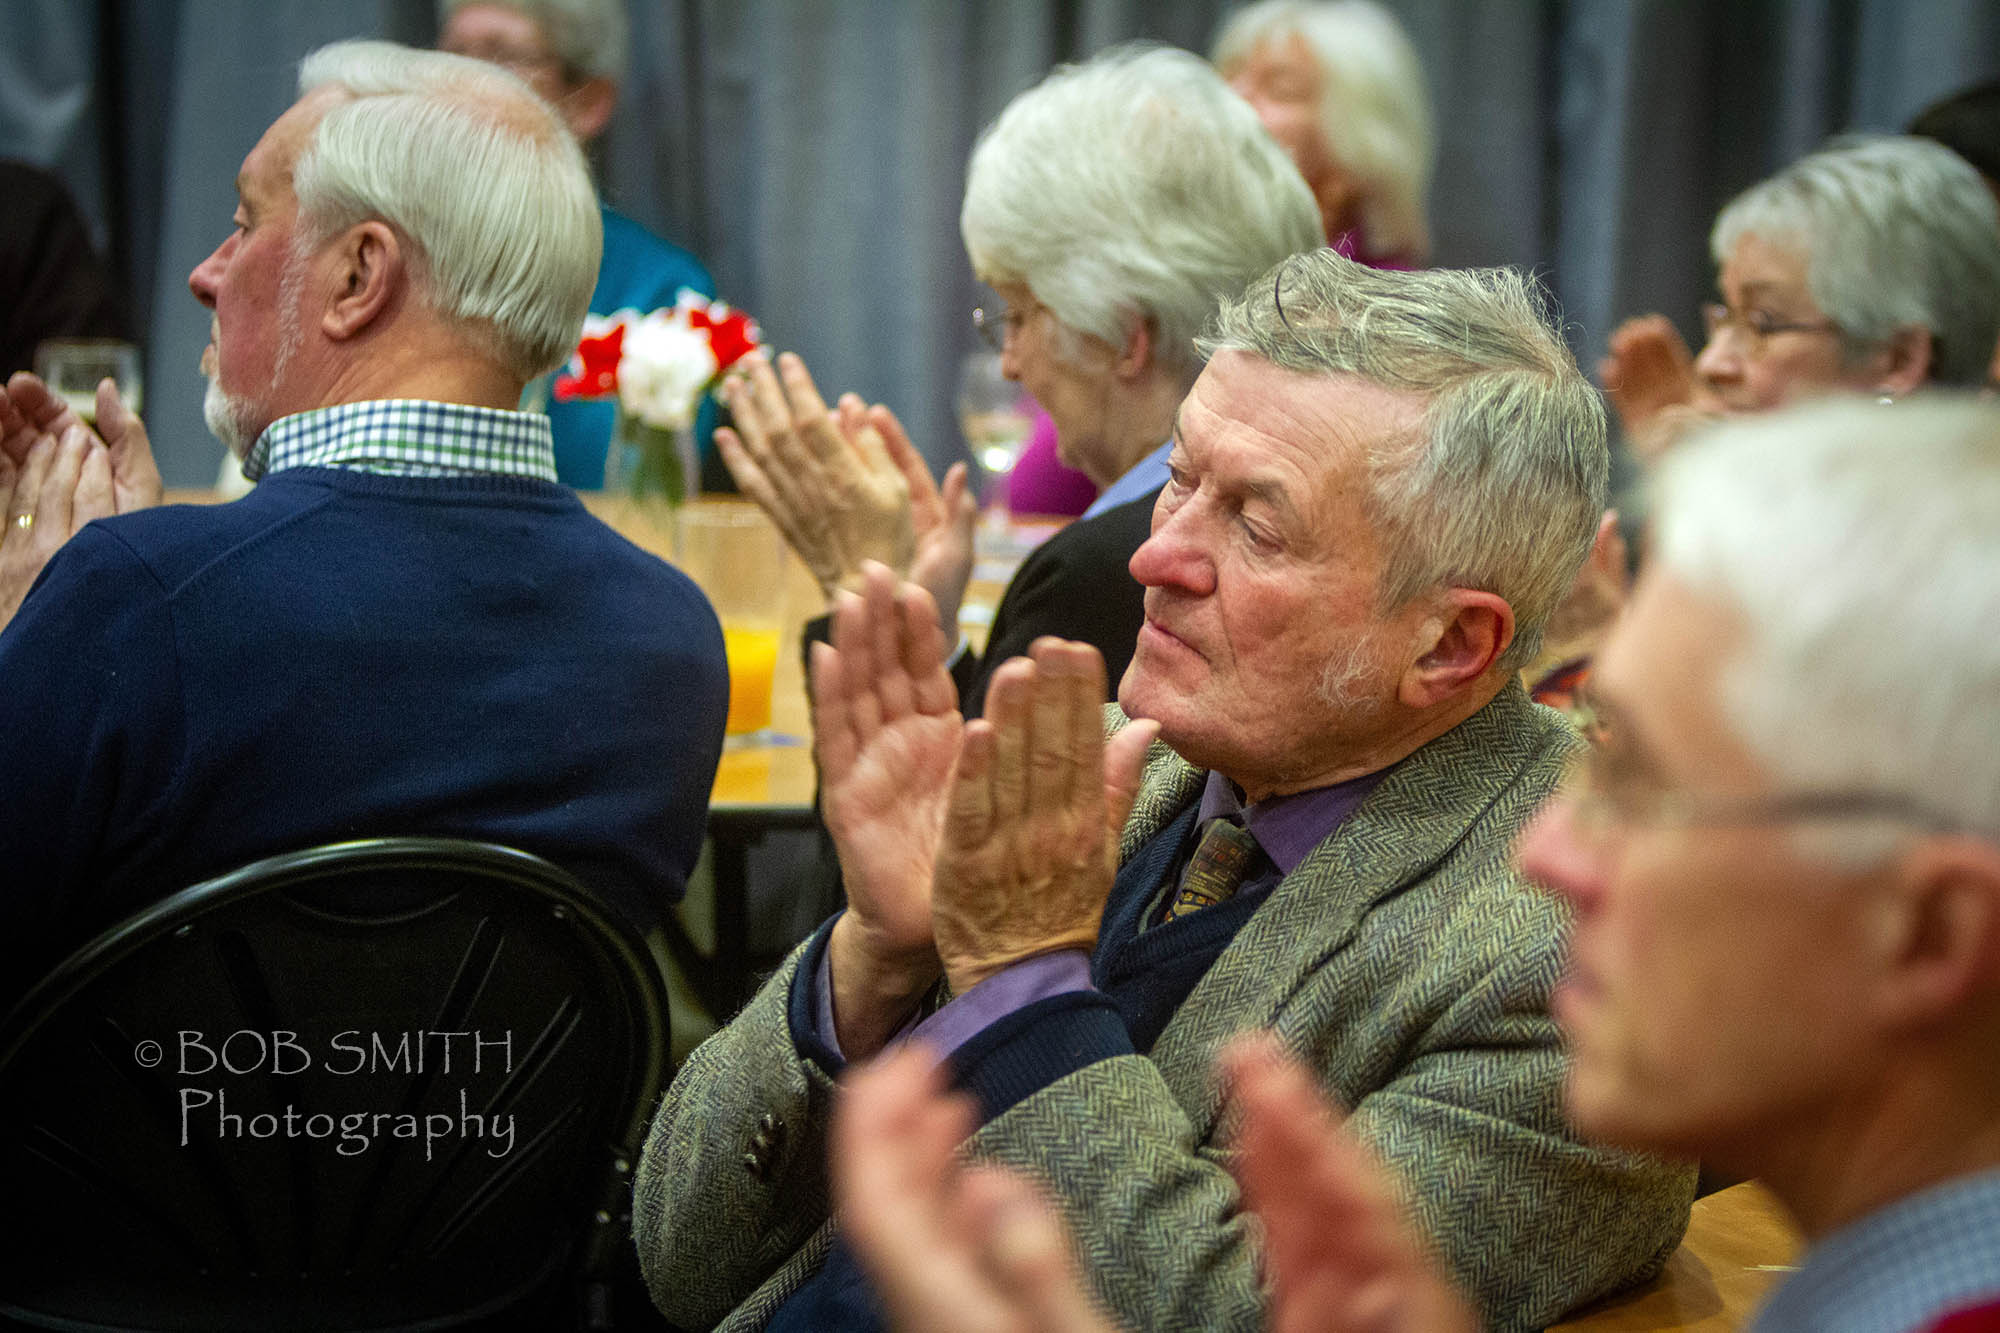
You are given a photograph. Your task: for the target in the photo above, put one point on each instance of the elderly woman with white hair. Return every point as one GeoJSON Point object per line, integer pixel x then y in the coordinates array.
{"type": "Point", "coordinates": [1337, 83]}
{"type": "Point", "coordinates": [1110, 207]}
{"type": "Point", "coordinates": [1871, 266]}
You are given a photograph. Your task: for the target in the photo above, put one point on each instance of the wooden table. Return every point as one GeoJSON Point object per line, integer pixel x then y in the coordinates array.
{"type": "Point", "coordinates": [1739, 1245]}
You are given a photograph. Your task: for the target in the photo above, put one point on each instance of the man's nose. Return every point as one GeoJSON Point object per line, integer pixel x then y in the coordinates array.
{"type": "Point", "coordinates": [207, 275]}
{"type": "Point", "coordinates": [1174, 556]}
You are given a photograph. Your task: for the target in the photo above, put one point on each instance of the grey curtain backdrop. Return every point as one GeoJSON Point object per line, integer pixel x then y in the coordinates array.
{"type": "Point", "coordinates": [813, 151]}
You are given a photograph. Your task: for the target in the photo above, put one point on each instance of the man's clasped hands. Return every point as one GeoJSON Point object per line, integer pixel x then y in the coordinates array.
{"type": "Point", "coordinates": [57, 474]}
{"type": "Point", "coordinates": [966, 847]}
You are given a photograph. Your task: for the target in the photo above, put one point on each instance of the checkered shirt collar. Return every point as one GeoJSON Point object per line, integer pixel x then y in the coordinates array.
{"type": "Point", "coordinates": [408, 437]}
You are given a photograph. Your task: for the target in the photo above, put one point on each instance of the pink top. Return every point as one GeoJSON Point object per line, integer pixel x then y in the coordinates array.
{"type": "Point", "coordinates": [1040, 484]}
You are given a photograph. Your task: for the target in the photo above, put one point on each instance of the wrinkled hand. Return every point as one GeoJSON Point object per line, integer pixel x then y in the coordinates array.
{"type": "Point", "coordinates": [942, 519]}
{"type": "Point", "coordinates": [30, 411]}
{"type": "Point", "coordinates": [1031, 840]}
{"type": "Point", "coordinates": [60, 485]}
{"type": "Point", "coordinates": [886, 733]}
{"type": "Point", "coordinates": [1646, 369]}
{"type": "Point", "coordinates": [1339, 1250]}
{"type": "Point", "coordinates": [950, 1247]}
{"type": "Point", "coordinates": [826, 482]}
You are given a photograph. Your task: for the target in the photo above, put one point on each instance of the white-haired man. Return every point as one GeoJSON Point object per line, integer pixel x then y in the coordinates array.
{"type": "Point", "coordinates": [1785, 869]}
{"type": "Point", "coordinates": [574, 53]}
{"type": "Point", "coordinates": [408, 626]}
{"type": "Point", "coordinates": [1381, 485]}
{"type": "Point", "coordinates": [1109, 249]}
{"type": "Point", "coordinates": [1337, 83]}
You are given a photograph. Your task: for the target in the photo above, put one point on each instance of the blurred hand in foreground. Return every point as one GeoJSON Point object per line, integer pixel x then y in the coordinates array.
{"type": "Point", "coordinates": [950, 1246]}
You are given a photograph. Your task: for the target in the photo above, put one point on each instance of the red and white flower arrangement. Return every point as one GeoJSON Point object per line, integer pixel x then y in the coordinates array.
{"type": "Point", "coordinates": [658, 366]}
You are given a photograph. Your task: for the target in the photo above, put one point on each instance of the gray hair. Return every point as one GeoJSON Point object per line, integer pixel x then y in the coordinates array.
{"type": "Point", "coordinates": [590, 37]}
{"type": "Point", "coordinates": [1861, 546]}
{"type": "Point", "coordinates": [1373, 107]}
{"type": "Point", "coordinates": [1894, 231]}
{"type": "Point", "coordinates": [1136, 185]}
{"type": "Point", "coordinates": [476, 173]}
{"type": "Point", "coordinates": [1504, 490]}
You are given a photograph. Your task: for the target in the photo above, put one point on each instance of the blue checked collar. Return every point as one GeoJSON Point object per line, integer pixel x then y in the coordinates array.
{"type": "Point", "coordinates": [1902, 1268]}
{"type": "Point", "coordinates": [408, 437]}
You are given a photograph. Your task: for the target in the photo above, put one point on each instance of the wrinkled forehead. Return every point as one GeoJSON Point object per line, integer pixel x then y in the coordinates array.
{"type": "Point", "coordinates": [1758, 265]}
{"type": "Point", "coordinates": [1315, 422]}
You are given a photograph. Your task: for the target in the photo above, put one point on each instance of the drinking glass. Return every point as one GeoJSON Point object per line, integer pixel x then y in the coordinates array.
{"type": "Point", "coordinates": [995, 419]}
{"type": "Point", "coordinates": [71, 367]}
{"type": "Point", "coordinates": [734, 553]}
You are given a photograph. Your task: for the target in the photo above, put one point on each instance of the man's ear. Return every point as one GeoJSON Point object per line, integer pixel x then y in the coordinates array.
{"type": "Point", "coordinates": [1940, 937]}
{"type": "Point", "coordinates": [1457, 645]}
{"type": "Point", "coordinates": [587, 108]}
{"type": "Point", "coordinates": [371, 270]}
{"type": "Point", "coordinates": [1906, 361]}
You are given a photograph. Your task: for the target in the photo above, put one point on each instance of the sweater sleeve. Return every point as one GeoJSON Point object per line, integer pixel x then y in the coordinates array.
{"type": "Point", "coordinates": [92, 734]}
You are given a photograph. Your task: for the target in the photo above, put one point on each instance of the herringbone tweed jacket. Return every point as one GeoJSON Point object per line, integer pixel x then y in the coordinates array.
{"type": "Point", "coordinates": [1404, 959]}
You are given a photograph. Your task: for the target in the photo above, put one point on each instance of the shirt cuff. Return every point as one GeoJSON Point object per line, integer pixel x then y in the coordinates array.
{"type": "Point", "coordinates": [1006, 991]}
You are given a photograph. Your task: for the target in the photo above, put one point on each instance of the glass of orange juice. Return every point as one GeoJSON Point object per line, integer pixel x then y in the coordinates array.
{"type": "Point", "coordinates": [734, 553]}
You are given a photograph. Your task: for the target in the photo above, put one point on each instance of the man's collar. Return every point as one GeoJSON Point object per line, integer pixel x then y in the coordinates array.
{"type": "Point", "coordinates": [408, 437]}
{"type": "Point", "coordinates": [1287, 827]}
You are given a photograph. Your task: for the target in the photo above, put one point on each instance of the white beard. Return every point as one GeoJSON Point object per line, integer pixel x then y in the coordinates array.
{"type": "Point", "coordinates": [233, 417]}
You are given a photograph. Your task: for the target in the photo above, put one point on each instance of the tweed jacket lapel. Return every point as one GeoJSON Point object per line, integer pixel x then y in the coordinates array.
{"type": "Point", "coordinates": [1411, 820]}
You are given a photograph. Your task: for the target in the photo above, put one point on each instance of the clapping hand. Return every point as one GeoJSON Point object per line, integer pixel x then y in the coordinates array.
{"type": "Point", "coordinates": [886, 733]}
{"type": "Point", "coordinates": [1031, 840]}
{"type": "Point", "coordinates": [1339, 1249]}
{"type": "Point", "coordinates": [59, 485]}
{"type": "Point", "coordinates": [950, 1246]}
{"type": "Point", "coordinates": [30, 411]}
{"type": "Point", "coordinates": [845, 486]}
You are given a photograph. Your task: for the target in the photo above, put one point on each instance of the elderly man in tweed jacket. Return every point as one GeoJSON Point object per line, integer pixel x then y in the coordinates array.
{"type": "Point", "coordinates": [1381, 485]}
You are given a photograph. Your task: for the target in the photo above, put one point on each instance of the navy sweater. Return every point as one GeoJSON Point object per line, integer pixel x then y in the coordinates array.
{"type": "Point", "coordinates": [343, 655]}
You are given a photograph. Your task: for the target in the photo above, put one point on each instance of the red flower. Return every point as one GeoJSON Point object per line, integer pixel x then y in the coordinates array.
{"type": "Point", "coordinates": [732, 335]}
{"type": "Point", "coordinates": [599, 357]}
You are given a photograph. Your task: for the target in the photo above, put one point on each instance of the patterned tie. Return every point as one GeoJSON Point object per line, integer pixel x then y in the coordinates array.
{"type": "Point", "coordinates": [1222, 860]}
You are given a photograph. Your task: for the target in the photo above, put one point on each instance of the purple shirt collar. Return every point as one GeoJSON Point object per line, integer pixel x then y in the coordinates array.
{"type": "Point", "coordinates": [1288, 827]}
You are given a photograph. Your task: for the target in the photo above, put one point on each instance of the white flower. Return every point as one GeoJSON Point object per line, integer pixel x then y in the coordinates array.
{"type": "Point", "coordinates": [664, 368]}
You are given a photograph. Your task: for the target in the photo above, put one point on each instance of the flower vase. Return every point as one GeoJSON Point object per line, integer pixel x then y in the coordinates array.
{"type": "Point", "coordinates": [655, 469]}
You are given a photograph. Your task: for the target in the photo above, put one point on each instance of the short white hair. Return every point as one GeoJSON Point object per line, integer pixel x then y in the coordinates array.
{"type": "Point", "coordinates": [1861, 546]}
{"type": "Point", "coordinates": [1504, 488]}
{"type": "Point", "coordinates": [1135, 185]}
{"type": "Point", "coordinates": [592, 38]}
{"type": "Point", "coordinates": [476, 173]}
{"type": "Point", "coordinates": [1373, 107]}
{"type": "Point", "coordinates": [1894, 231]}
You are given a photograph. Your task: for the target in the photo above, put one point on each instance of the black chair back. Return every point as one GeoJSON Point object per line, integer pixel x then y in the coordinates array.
{"type": "Point", "coordinates": [393, 1084]}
